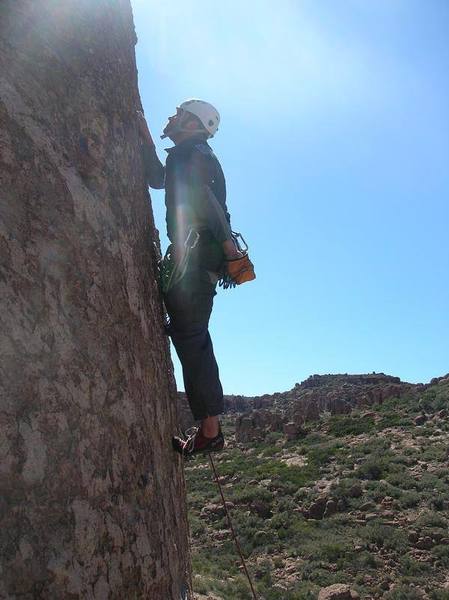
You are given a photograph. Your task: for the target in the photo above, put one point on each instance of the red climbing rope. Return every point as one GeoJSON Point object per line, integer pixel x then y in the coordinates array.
{"type": "Point", "coordinates": [217, 480]}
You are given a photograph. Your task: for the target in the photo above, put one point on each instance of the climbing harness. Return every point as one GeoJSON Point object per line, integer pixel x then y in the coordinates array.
{"type": "Point", "coordinates": [173, 268]}
{"type": "Point", "coordinates": [217, 481]}
{"type": "Point", "coordinates": [237, 270]}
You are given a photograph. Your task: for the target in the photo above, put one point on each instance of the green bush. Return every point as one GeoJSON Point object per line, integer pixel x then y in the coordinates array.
{"type": "Point", "coordinates": [395, 419]}
{"type": "Point", "coordinates": [431, 519]}
{"type": "Point", "coordinates": [244, 494]}
{"type": "Point", "coordinates": [332, 551]}
{"type": "Point", "coordinates": [341, 425]}
{"type": "Point", "coordinates": [401, 480]}
{"type": "Point", "coordinates": [323, 454]}
{"type": "Point", "coordinates": [270, 451]}
{"type": "Point", "coordinates": [374, 468]}
{"type": "Point", "coordinates": [439, 502]}
{"type": "Point", "coordinates": [365, 560]}
{"type": "Point", "coordinates": [439, 595]}
{"type": "Point", "coordinates": [384, 536]}
{"type": "Point", "coordinates": [403, 592]}
{"type": "Point", "coordinates": [409, 499]}
{"type": "Point", "coordinates": [410, 566]}
{"type": "Point", "coordinates": [442, 553]}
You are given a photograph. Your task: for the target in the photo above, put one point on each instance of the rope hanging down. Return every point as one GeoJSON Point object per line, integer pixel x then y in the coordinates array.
{"type": "Point", "coordinates": [217, 480]}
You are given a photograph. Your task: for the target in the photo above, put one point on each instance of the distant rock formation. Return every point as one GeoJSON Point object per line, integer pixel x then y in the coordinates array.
{"type": "Point", "coordinates": [288, 411]}
{"type": "Point", "coordinates": [92, 501]}
{"type": "Point", "coordinates": [339, 394]}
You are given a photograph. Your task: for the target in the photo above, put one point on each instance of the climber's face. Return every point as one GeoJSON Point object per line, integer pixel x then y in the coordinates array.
{"type": "Point", "coordinates": [174, 124]}
{"type": "Point", "coordinates": [181, 126]}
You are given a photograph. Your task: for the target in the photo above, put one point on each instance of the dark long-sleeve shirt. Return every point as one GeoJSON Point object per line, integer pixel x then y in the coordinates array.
{"type": "Point", "coordinates": [195, 197]}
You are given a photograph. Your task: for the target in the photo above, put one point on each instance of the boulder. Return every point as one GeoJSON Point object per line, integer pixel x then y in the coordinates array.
{"type": "Point", "coordinates": [291, 430]}
{"type": "Point", "coordinates": [317, 508]}
{"type": "Point", "coordinates": [424, 543]}
{"type": "Point", "coordinates": [338, 591]}
{"type": "Point", "coordinates": [331, 508]}
{"type": "Point", "coordinates": [420, 420]}
{"type": "Point", "coordinates": [355, 491]}
{"type": "Point", "coordinates": [261, 508]}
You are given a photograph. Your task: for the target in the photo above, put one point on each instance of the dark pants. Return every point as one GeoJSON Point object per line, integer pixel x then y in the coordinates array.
{"type": "Point", "coordinates": [189, 306]}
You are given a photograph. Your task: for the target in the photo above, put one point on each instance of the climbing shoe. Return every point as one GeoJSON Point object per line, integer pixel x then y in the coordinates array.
{"type": "Point", "coordinates": [196, 443]}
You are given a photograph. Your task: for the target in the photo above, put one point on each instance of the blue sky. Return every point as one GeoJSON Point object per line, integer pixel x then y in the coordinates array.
{"type": "Point", "coordinates": [334, 140]}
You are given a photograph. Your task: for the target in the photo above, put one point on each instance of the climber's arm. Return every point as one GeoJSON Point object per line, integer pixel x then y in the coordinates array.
{"type": "Point", "coordinates": [212, 212]}
{"type": "Point", "coordinates": [154, 169]}
{"type": "Point", "coordinates": [205, 204]}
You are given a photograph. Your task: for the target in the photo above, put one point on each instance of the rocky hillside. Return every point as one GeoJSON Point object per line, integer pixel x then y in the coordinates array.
{"type": "Point", "coordinates": [289, 411]}
{"type": "Point", "coordinates": [356, 507]}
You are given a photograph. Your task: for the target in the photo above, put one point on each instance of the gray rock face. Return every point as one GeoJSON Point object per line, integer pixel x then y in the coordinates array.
{"type": "Point", "coordinates": [254, 425]}
{"type": "Point", "coordinates": [92, 496]}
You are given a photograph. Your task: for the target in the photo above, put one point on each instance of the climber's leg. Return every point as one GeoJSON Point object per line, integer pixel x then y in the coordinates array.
{"type": "Point", "coordinates": [189, 305]}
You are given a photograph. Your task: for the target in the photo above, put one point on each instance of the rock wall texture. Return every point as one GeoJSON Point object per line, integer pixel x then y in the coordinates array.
{"type": "Point", "coordinates": [92, 500]}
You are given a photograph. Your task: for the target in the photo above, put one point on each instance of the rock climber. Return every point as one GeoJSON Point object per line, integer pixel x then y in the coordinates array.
{"type": "Point", "coordinates": [198, 227]}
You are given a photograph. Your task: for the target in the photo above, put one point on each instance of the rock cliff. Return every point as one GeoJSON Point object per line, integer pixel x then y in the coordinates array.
{"type": "Point", "coordinates": [92, 497]}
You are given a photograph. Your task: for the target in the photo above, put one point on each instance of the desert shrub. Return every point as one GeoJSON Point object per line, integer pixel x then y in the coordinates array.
{"type": "Point", "coordinates": [322, 454]}
{"type": "Point", "coordinates": [280, 521]}
{"type": "Point", "coordinates": [302, 493]}
{"type": "Point", "coordinates": [406, 404]}
{"type": "Point", "coordinates": [442, 473]}
{"type": "Point", "coordinates": [384, 536]}
{"type": "Point", "coordinates": [376, 490]}
{"type": "Point", "coordinates": [341, 489]}
{"type": "Point", "coordinates": [341, 425]}
{"type": "Point", "coordinates": [439, 502]}
{"type": "Point", "coordinates": [431, 519]}
{"type": "Point", "coordinates": [403, 459]}
{"type": "Point", "coordinates": [403, 592]}
{"type": "Point", "coordinates": [196, 524]}
{"type": "Point", "coordinates": [302, 590]}
{"type": "Point", "coordinates": [409, 499]}
{"type": "Point", "coordinates": [332, 551]}
{"type": "Point", "coordinates": [394, 419]}
{"type": "Point", "coordinates": [238, 588]}
{"type": "Point", "coordinates": [365, 560]}
{"type": "Point", "coordinates": [439, 595]}
{"type": "Point", "coordinates": [429, 481]}
{"type": "Point", "coordinates": [375, 467]}
{"type": "Point", "coordinates": [298, 476]}
{"type": "Point", "coordinates": [270, 451]}
{"type": "Point", "coordinates": [301, 527]}
{"type": "Point", "coordinates": [244, 494]}
{"type": "Point", "coordinates": [410, 566]}
{"type": "Point", "coordinates": [273, 436]}
{"type": "Point", "coordinates": [401, 479]}
{"type": "Point", "coordinates": [442, 553]}
{"type": "Point", "coordinates": [286, 504]}
{"type": "Point", "coordinates": [435, 398]}
{"type": "Point", "coordinates": [435, 452]}
{"type": "Point", "coordinates": [376, 445]}
{"type": "Point", "coordinates": [313, 571]}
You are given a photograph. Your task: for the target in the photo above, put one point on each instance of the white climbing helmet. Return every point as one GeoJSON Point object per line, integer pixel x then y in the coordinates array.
{"type": "Point", "coordinates": [206, 113]}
